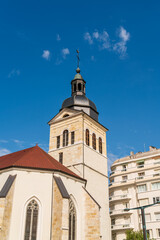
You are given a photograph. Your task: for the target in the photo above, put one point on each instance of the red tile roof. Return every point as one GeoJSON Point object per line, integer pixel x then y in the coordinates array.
{"type": "Point", "coordinates": [35, 158]}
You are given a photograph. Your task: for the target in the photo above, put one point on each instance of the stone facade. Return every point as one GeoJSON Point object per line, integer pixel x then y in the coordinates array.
{"type": "Point", "coordinates": [5, 213]}
{"type": "Point", "coordinates": [92, 216]}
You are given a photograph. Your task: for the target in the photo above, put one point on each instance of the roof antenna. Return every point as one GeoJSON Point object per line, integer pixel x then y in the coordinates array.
{"type": "Point", "coordinates": [144, 147]}
{"type": "Point", "coordinates": [78, 59]}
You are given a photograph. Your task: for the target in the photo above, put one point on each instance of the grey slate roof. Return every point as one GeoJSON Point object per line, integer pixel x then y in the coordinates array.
{"type": "Point", "coordinates": [6, 187]}
{"type": "Point", "coordinates": [61, 187]}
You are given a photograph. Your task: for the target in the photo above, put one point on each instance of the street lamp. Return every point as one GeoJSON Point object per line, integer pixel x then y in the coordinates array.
{"type": "Point", "coordinates": [142, 208]}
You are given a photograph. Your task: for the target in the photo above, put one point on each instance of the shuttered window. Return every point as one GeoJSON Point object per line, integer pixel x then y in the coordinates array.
{"type": "Point", "coordinates": [94, 141]}
{"type": "Point", "coordinates": [87, 137]}
{"type": "Point", "coordinates": [65, 138]}
{"type": "Point", "coordinates": [100, 145]}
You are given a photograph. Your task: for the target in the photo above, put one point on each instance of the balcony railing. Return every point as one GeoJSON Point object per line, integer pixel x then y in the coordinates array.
{"type": "Point", "coordinates": [119, 197]}
{"type": "Point", "coordinates": [119, 212]}
{"type": "Point", "coordinates": [122, 226]}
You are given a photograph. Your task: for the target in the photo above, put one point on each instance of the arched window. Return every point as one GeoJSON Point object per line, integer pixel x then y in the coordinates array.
{"type": "Point", "coordinates": [72, 221]}
{"type": "Point", "coordinates": [65, 138]}
{"type": "Point", "coordinates": [87, 137]}
{"type": "Point", "coordinates": [31, 221]}
{"type": "Point", "coordinates": [94, 141]}
{"type": "Point", "coordinates": [79, 87]}
{"type": "Point", "coordinates": [100, 145]}
{"type": "Point", "coordinates": [74, 87]}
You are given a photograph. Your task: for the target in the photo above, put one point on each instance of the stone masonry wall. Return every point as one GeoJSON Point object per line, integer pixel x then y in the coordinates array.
{"type": "Point", "coordinates": [60, 216]}
{"type": "Point", "coordinates": [5, 213]}
{"type": "Point", "coordinates": [92, 219]}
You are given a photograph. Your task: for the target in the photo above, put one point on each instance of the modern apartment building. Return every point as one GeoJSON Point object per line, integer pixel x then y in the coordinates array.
{"type": "Point", "coordinates": [134, 182]}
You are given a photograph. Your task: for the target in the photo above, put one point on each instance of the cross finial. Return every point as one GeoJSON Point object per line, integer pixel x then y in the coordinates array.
{"type": "Point", "coordinates": [78, 59]}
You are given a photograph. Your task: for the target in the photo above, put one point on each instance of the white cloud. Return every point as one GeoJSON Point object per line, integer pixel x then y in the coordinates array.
{"type": "Point", "coordinates": [65, 52]}
{"type": "Point", "coordinates": [123, 34]}
{"type": "Point", "coordinates": [121, 46]}
{"type": "Point", "coordinates": [17, 141]}
{"type": "Point", "coordinates": [4, 151]}
{"type": "Point", "coordinates": [88, 38]}
{"type": "Point", "coordinates": [58, 38]}
{"type": "Point", "coordinates": [46, 54]}
{"type": "Point", "coordinates": [13, 73]}
{"type": "Point", "coordinates": [104, 42]}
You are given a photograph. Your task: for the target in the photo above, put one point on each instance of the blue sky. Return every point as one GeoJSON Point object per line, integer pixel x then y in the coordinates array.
{"type": "Point", "coordinates": [119, 53]}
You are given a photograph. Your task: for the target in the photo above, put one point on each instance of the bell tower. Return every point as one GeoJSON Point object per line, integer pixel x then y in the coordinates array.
{"type": "Point", "coordinates": [78, 141]}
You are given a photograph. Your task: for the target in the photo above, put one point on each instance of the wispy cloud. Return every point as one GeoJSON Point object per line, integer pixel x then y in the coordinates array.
{"type": "Point", "coordinates": [58, 38]}
{"type": "Point", "coordinates": [46, 54]}
{"type": "Point", "coordinates": [105, 42]}
{"type": "Point", "coordinates": [4, 151]}
{"type": "Point", "coordinates": [14, 73]}
{"type": "Point", "coordinates": [88, 37]}
{"type": "Point", "coordinates": [65, 52]}
{"type": "Point", "coordinates": [18, 141]}
{"type": "Point", "coordinates": [111, 158]}
{"type": "Point", "coordinates": [121, 46]}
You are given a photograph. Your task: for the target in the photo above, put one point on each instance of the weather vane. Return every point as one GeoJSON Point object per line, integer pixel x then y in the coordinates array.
{"type": "Point", "coordinates": [78, 59]}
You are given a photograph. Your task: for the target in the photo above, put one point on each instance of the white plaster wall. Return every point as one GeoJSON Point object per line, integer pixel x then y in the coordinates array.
{"type": "Point", "coordinates": [30, 185]}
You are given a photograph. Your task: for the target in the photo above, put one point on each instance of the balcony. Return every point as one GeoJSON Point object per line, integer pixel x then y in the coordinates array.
{"type": "Point", "coordinates": [119, 197]}
{"type": "Point", "coordinates": [112, 173]}
{"type": "Point", "coordinates": [119, 212]}
{"type": "Point", "coordinates": [124, 226]}
{"type": "Point", "coordinates": [140, 166]}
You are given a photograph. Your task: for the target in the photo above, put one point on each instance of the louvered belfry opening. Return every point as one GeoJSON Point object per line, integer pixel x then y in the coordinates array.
{"type": "Point", "coordinates": [72, 221]}
{"type": "Point", "coordinates": [31, 221]}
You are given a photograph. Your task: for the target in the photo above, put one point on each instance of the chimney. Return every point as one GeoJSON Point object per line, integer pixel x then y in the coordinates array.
{"type": "Point", "coordinates": [152, 148]}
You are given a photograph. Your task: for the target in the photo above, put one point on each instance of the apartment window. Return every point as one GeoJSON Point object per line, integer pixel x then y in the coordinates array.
{"type": "Point", "coordinates": [94, 141]}
{"type": "Point", "coordinates": [149, 233]}
{"type": "Point", "coordinates": [158, 231]}
{"type": "Point", "coordinates": [156, 186]}
{"type": "Point", "coordinates": [126, 205]}
{"type": "Point", "coordinates": [157, 216]}
{"type": "Point", "coordinates": [124, 167]}
{"type": "Point", "coordinates": [113, 221]}
{"type": "Point", "coordinates": [72, 137]}
{"type": "Point", "coordinates": [124, 178]}
{"type": "Point", "coordinates": [156, 199]}
{"type": "Point", "coordinates": [65, 138]}
{"type": "Point", "coordinates": [58, 141]}
{"type": "Point", "coordinates": [87, 137]}
{"type": "Point", "coordinates": [100, 145]}
{"type": "Point", "coordinates": [61, 157]}
{"type": "Point", "coordinates": [31, 221]}
{"type": "Point", "coordinates": [72, 221]}
{"type": "Point", "coordinates": [140, 164]}
{"type": "Point", "coordinates": [141, 175]}
{"type": "Point", "coordinates": [142, 188]}
{"type": "Point", "coordinates": [143, 202]}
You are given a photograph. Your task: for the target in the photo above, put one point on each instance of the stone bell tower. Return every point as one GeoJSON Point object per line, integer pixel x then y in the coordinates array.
{"type": "Point", "coordinates": [78, 141]}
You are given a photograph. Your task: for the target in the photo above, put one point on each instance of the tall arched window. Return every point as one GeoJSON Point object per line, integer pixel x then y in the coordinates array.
{"type": "Point", "coordinates": [31, 221]}
{"type": "Point", "coordinates": [87, 137]}
{"type": "Point", "coordinates": [94, 141]}
{"type": "Point", "coordinates": [65, 138]}
{"type": "Point", "coordinates": [100, 144]}
{"type": "Point", "coordinates": [72, 221]}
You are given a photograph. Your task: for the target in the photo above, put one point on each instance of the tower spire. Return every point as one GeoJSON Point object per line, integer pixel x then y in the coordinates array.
{"type": "Point", "coordinates": [78, 59]}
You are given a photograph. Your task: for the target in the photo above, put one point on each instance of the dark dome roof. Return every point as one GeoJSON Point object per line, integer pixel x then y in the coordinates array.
{"type": "Point", "coordinates": [81, 102]}
{"type": "Point", "coordinates": [78, 100]}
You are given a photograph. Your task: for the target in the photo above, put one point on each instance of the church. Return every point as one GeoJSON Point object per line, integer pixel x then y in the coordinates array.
{"type": "Point", "coordinates": [62, 194]}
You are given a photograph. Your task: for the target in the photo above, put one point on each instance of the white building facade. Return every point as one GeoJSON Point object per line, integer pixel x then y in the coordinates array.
{"type": "Point", "coordinates": [134, 182]}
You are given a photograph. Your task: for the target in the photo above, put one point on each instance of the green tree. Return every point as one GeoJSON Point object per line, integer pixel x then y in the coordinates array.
{"type": "Point", "coordinates": [135, 235]}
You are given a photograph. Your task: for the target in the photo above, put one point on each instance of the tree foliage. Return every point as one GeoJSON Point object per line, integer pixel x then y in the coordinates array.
{"type": "Point", "coordinates": [135, 235]}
